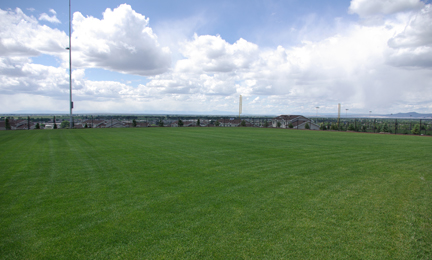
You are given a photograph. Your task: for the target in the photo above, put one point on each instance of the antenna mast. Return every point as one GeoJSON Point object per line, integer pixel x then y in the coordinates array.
{"type": "Point", "coordinates": [240, 105]}
{"type": "Point", "coordinates": [70, 69]}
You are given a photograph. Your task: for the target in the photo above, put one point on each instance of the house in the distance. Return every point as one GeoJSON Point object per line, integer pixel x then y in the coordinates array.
{"type": "Point", "coordinates": [20, 124]}
{"type": "Point", "coordinates": [298, 122]}
{"type": "Point", "coordinates": [186, 123]}
{"type": "Point", "coordinates": [229, 122]}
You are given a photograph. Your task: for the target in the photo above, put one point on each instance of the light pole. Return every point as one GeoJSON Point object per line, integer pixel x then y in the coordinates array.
{"type": "Point", "coordinates": [346, 112]}
{"type": "Point", "coordinates": [317, 114]}
{"type": "Point", "coordinates": [70, 68]}
{"type": "Point", "coordinates": [410, 121]}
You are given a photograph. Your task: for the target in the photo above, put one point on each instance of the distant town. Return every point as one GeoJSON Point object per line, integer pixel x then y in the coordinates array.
{"type": "Point", "coordinates": [53, 122]}
{"type": "Point", "coordinates": [396, 124]}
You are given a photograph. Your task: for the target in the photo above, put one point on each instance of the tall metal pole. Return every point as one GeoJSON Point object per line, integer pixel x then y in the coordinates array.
{"type": "Point", "coordinates": [395, 126]}
{"type": "Point", "coordinates": [70, 67]}
{"type": "Point", "coordinates": [240, 105]}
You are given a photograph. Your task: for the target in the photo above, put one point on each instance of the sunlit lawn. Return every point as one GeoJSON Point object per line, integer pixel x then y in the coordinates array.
{"type": "Point", "coordinates": [205, 193]}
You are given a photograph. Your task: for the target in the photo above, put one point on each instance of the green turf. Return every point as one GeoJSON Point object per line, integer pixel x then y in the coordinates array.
{"type": "Point", "coordinates": [214, 193]}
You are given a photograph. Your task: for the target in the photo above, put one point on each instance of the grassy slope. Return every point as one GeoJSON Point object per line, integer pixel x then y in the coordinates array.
{"type": "Point", "coordinates": [214, 193]}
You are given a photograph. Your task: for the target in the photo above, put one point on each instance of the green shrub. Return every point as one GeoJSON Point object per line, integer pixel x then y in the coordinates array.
{"type": "Point", "coordinates": [323, 127]}
{"type": "Point", "coordinates": [416, 130]}
{"type": "Point", "coordinates": [307, 126]}
{"type": "Point", "coordinates": [65, 124]}
{"type": "Point", "coordinates": [7, 124]}
{"type": "Point", "coordinates": [290, 125]}
{"type": "Point", "coordinates": [385, 128]}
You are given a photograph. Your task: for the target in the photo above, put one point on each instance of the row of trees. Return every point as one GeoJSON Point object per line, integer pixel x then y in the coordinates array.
{"type": "Point", "coordinates": [180, 123]}
{"type": "Point", "coordinates": [360, 125]}
{"type": "Point", "coordinates": [290, 125]}
{"type": "Point", "coordinates": [380, 128]}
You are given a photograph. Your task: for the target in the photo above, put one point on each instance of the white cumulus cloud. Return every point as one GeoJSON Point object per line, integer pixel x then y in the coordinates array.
{"type": "Point", "coordinates": [51, 19]}
{"type": "Point", "coordinates": [213, 54]}
{"type": "Point", "coordinates": [413, 46]}
{"type": "Point", "coordinates": [362, 67]}
{"type": "Point", "coordinates": [19, 75]}
{"type": "Point", "coordinates": [366, 8]}
{"type": "Point", "coordinates": [122, 41]}
{"type": "Point", "coordinates": [22, 35]}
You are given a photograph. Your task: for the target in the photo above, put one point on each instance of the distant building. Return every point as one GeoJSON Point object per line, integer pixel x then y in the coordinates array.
{"type": "Point", "coordinates": [19, 124]}
{"type": "Point", "coordinates": [298, 122]}
{"type": "Point", "coordinates": [186, 123]}
{"type": "Point", "coordinates": [231, 122]}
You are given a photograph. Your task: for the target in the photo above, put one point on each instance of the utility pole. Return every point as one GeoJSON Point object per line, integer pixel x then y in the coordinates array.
{"type": "Point", "coordinates": [70, 67]}
{"type": "Point", "coordinates": [410, 121]}
{"type": "Point", "coordinates": [240, 105]}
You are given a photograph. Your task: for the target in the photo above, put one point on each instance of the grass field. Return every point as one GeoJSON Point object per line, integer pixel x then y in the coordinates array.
{"type": "Point", "coordinates": [214, 193]}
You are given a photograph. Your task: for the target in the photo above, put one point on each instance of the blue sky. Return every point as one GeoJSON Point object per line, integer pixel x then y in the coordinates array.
{"type": "Point", "coordinates": [232, 20]}
{"type": "Point", "coordinates": [282, 56]}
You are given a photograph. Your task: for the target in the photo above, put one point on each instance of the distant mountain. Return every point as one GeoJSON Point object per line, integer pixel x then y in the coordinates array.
{"type": "Point", "coordinates": [410, 114]}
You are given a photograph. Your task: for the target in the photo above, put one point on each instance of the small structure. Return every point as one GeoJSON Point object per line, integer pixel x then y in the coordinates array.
{"type": "Point", "coordinates": [114, 124]}
{"type": "Point", "coordinates": [231, 122]}
{"type": "Point", "coordinates": [298, 122]}
{"type": "Point", "coordinates": [142, 124]}
{"type": "Point", "coordinates": [95, 123]}
{"type": "Point", "coordinates": [186, 123]}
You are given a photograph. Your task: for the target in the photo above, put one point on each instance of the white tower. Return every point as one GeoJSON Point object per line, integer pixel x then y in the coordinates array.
{"type": "Point", "coordinates": [240, 105]}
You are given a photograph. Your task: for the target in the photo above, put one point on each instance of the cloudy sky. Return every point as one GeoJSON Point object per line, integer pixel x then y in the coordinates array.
{"type": "Point", "coordinates": [167, 56]}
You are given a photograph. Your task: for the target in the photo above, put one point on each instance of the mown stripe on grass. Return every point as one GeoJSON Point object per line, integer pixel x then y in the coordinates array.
{"type": "Point", "coordinates": [214, 193]}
